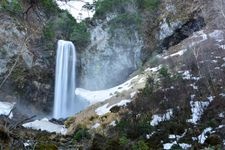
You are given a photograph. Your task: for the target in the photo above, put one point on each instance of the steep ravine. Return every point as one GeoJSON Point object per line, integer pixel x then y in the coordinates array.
{"type": "Point", "coordinates": [181, 104]}
{"type": "Point", "coordinates": [157, 66]}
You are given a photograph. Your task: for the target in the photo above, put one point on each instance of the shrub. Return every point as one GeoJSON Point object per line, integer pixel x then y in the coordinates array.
{"type": "Point", "coordinates": [43, 146]}
{"type": "Point", "coordinates": [140, 145]}
{"type": "Point", "coordinates": [143, 125]}
{"type": "Point", "coordinates": [66, 27]}
{"type": "Point", "coordinates": [69, 121]}
{"type": "Point", "coordinates": [104, 6]}
{"type": "Point", "coordinates": [176, 147]}
{"type": "Point", "coordinates": [80, 134]}
{"type": "Point", "coordinates": [48, 31]}
{"type": "Point", "coordinates": [149, 87]}
{"type": "Point", "coordinates": [164, 72]}
{"type": "Point", "coordinates": [123, 140]}
{"type": "Point", "coordinates": [13, 6]}
{"type": "Point", "coordinates": [148, 4]}
{"type": "Point", "coordinates": [49, 5]}
{"type": "Point", "coordinates": [64, 23]}
{"type": "Point", "coordinates": [121, 125]}
{"type": "Point", "coordinates": [80, 34]}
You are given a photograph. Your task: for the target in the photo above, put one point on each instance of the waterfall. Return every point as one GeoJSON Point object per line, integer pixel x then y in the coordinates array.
{"type": "Point", "coordinates": [65, 75]}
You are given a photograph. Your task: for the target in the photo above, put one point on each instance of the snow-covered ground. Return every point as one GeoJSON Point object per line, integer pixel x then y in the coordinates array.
{"type": "Point", "coordinates": [202, 137]}
{"type": "Point", "coordinates": [102, 95]}
{"type": "Point", "coordinates": [188, 76]}
{"type": "Point", "coordinates": [168, 146]}
{"type": "Point", "coordinates": [46, 125]}
{"type": "Point", "coordinates": [156, 119]}
{"type": "Point", "coordinates": [197, 108]}
{"type": "Point", "coordinates": [105, 108]}
{"type": "Point", "coordinates": [179, 53]}
{"type": "Point", "coordinates": [5, 108]}
{"type": "Point", "coordinates": [95, 126]}
{"type": "Point", "coordinates": [99, 96]}
{"type": "Point", "coordinates": [176, 138]}
{"type": "Point", "coordinates": [75, 8]}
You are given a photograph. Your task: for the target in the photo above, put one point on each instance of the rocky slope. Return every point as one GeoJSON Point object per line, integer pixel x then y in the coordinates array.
{"type": "Point", "coordinates": [181, 105]}
{"type": "Point", "coordinates": [29, 34]}
{"type": "Point", "coordinates": [25, 74]}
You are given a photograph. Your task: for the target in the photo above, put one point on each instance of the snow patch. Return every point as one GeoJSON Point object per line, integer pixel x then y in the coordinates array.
{"type": "Point", "coordinates": [76, 9]}
{"type": "Point", "coordinates": [211, 98]}
{"type": "Point", "coordinates": [102, 110]}
{"type": "Point", "coordinates": [217, 35]}
{"type": "Point", "coordinates": [222, 46]}
{"type": "Point", "coordinates": [218, 57]}
{"type": "Point", "coordinates": [172, 136]}
{"type": "Point", "coordinates": [179, 53]}
{"type": "Point", "coordinates": [194, 86]}
{"type": "Point", "coordinates": [223, 58]}
{"type": "Point", "coordinates": [99, 96]}
{"type": "Point", "coordinates": [5, 108]}
{"type": "Point", "coordinates": [142, 80]}
{"type": "Point", "coordinates": [167, 146]}
{"type": "Point", "coordinates": [133, 94]}
{"type": "Point", "coordinates": [155, 69]}
{"type": "Point", "coordinates": [214, 61]}
{"type": "Point", "coordinates": [222, 94]}
{"type": "Point", "coordinates": [197, 109]}
{"type": "Point", "coordinates": [156, 119]}
{"type": "Point", "coordinates": [95, 126]}
{"type": "Point", "coordinates": [176, 138]}
{"type": "Point", "coordinates": [105, 109]}
{"type": "Point", "coordinates": [45, 125]}
{"type": "Point", "coordinates": [28, 143]}
{"type": "Point", "coordinates": [197, 35]}
{"type": "Point", "coordinates": [148, 136]}
{"type": "Point", "coordinates": [113, 123]}
{"type": "Point", "coordinates": [185, 145]}
{"type": "Point", "coordinates": [188, 76]}
{"type": "Point", "coordinates": [220, 126]}
{"type": "Point", "coordinates": [102, 95]}
{"type": "Point", "coordinates": [202, 137]}
{"type": "Point", "coordinates": [221, 115]}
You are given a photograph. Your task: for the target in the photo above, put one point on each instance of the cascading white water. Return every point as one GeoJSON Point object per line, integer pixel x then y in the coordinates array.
{"type": "Point", "coordinates": [64, 100]}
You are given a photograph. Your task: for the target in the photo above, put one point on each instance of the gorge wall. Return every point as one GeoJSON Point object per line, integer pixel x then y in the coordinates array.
{"type": "Point", "coordinates": [117, 41]}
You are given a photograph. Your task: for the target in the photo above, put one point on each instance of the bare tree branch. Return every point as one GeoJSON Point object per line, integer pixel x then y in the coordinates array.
{"type": "Point", "coordinates": [15, 63]}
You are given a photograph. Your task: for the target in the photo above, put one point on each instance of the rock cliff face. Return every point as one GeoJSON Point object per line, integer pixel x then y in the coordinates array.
{"type": "Point", "coordinates": [25, 73]}
{"type": "Point", "coordinates": [123, 38]}
{"type": "Point", "coordinates": [112, 49]}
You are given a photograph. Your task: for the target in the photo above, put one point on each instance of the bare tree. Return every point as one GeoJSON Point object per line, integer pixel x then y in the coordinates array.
{"type": "Point", "coordinates": [222, 9]}
{"type": "Point", "coordinates": [16, 62]}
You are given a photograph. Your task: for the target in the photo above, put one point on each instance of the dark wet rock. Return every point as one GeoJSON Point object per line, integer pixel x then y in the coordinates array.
{"type": "Point", "coordinates": [115, 109]}
{"type": "Point", "coordinates": [183, 32]}
{"type": "Point", "coordinates": [57, 121]}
